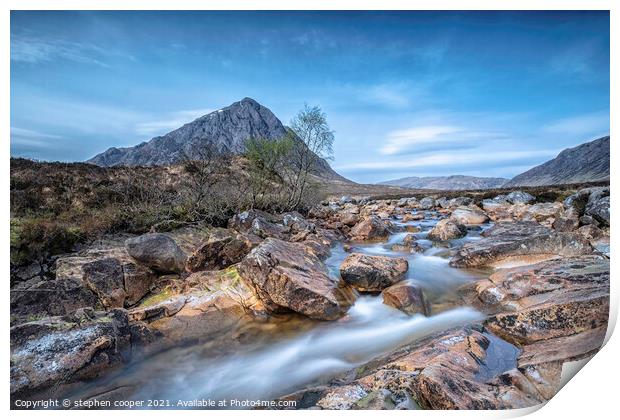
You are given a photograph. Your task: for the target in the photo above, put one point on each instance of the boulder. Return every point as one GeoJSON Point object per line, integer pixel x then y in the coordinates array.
{"type": "Point", "coordinates": [370, 273]}
{"type": "Point", "coordinates": [265, 229]}
{"type": "Point", "coordinates": [221, 249]}
{"type": "Point", "coordinates": [295, 223]}
{"type": "Point", "coordinates": [447, 229]}
{"type": "Point", "coordinates": [243, 221]}
{"type": "Point", "coordinates": [370, 228]}
{"type": "Point", "coordinates": [410, 217]}
{"type": "Point", "coordinates": [599, 210]}
{"type": "Point", "coordinates": [548, 300]}
{"type": "Point", "coordinates": [406, 297]}
{"type": "Point", "coordinates": [471, 215]}
{"type": "Point", "coordinates": [106, 279]}
{"type": "Point", "coordinates": [518, 243]}
{"type": "Point", "coordinates": [157, 251]}
{"type": "Point", "coordinates": [55, 351]}
{"type": "Point", "coordinates": [542, 211]}
{"type": "Point", "coordinates": [286, 277]}
{"type": "Point", "coordinates": [520, 197]}
{"type": "Point", "coordinates": [427, 203]}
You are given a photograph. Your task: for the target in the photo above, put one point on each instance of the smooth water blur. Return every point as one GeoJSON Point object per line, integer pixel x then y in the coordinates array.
{"type": "Point", "coordinates": [369, 330]}
{"type": "Point", "coordinates": [284, 355]}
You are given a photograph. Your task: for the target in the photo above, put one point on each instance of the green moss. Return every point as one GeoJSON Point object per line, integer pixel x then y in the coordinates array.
{"type": "Point", "coordinates": [156, 298]}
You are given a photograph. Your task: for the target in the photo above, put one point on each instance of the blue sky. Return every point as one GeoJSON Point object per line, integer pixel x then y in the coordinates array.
{"type": "Point", "coordinates": [407, 93]}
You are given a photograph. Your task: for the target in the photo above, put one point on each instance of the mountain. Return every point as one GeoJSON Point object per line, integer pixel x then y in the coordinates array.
{"type": "Point", "coordinates": [587, 162]}
{"type": "Point", "coordinates": [453, 182]}
{"type": "Point", "coordinates": [226, 129]}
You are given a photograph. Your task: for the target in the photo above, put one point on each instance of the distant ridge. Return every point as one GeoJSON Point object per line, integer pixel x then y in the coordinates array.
{"type": "Point", "coordinates": [453, 182]}
{"type": "Point", "coordinates": [588, 162]}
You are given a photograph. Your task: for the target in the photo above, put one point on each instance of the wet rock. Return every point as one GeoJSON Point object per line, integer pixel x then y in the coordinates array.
{"type": "Point", "coordinates": [285, 276]}
{"type": "Point", "coordinates": [212, 305]}
{"type": "Point", "coordinates": [471, 215]}
{"type": "Point", "coordinates": [440, 372]}
{"type": "Point", "coordinates": [370, 228]}
{"type": "Point", "coordinates": [157, 251]}
{"type": "Point", "coordinates": [221, 249]}
{"type": "Point", "coordinates": [427, 203]}
{"type": "Point", "coordinates": [548, 300]}
{"type": "Point", "coordinates": [56, 351]}
{"type": "Point", "coordinates": [410, 217]}
{"type": "Point", "coordinates": [518, 243]}
{"type": "Point", "coordinates": [408, 298]}
{"type": "Point", "coordinates": [349, 219]}
{"type": "Point", "coordinates": [599, 210]}
{"type": "Point", "coordinates": [447, 229]}
{"type": "Point", "coordinates": [372, 273]}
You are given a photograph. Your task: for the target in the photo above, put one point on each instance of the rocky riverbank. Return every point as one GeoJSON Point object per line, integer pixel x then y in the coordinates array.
{"type": "Point", "coordinates": [537, 273]}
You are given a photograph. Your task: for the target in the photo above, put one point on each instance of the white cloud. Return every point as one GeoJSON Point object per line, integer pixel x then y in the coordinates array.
{"type": "Point", "coordinates": [400, 140]}
{"type": "Point", "coordinates": [170, 122]}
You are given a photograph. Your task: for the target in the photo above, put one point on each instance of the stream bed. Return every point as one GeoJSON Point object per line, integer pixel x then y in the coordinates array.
{"type": "Point", "coordinates": [290, 353]}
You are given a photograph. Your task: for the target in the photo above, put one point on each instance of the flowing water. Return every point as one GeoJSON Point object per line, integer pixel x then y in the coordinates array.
{"type": "Point", "coordinates": [284, 355]}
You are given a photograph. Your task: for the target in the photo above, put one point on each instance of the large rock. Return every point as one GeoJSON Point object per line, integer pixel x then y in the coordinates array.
{"type": "Point", "coordinates": [370, 228]}
{"type": "Point", "coordinates": [599, 210]}
{"type": "Point", "coordinates": [210, 307]}
{"type": "Point", "coordinates": [471, 215]}
{"type": "Point", "coordinates": [446, 229]}
{"type": "Point", "coordinates": [543, 211]}
{"type": "Point", "coordinates": [106, 279]}
{"type": "Point", "coordinates": [406, 297]}
{"type": "Point", "coordinates": [111, 273]}
{"type": "Point", "coordinates": [371, 273]}
{"type": "Point", "coordinates": [286, 276]}
{"type": "Point", "coordinates": [519, 243]}
{"type": "Point", "coordinates": [427, 203]}
{"type": "Point", "coordinates": [60, 350]}
{"type": "Point", "coordinates": [548, 300]}
{"type": "Point", "coordinates": [221, 249]}
{"type": "Point", "coordinates": [243, 221]}
{"type": "Point", "coordinates": [520, 197]}
{"type": "Point", "coordinates": [158, 252]}
{"type": "Point", "coordinates": [457, 369]}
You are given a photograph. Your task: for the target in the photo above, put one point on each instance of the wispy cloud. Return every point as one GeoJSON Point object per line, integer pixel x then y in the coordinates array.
{"type": "Point", "coordinates": [580, 125]}
{"type": "Point", "coordinates": [33, 50]}
{"type": "Point", "coordinates": [170, 122]}
{"type": "Point", "coordinates": [479, 157]}
{"type": "Point", "coordinates": [32, 139]}
{"type": "Point", "coordinates": [401, 140]}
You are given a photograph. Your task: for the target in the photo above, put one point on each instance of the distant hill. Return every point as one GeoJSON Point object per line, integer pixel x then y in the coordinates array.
{"type": "Point", "coordinates": [453, 182]}
{"type": "Point", "coordinates": [587, 162]}
{"type": "Point", "coordinates": [226, 129]}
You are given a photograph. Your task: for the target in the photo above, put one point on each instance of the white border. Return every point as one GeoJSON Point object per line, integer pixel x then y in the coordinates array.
{"type": "Point", "coordinates": [591, 395]}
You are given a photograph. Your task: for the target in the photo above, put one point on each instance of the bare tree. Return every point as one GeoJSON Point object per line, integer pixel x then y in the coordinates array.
{"type": "Point", "coordinates": [314, 141]}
